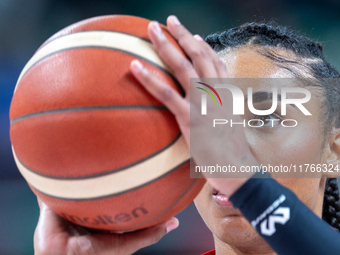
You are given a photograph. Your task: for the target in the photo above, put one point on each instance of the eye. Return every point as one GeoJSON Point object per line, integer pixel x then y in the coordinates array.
{"type": "Point", "coordinates": [271, 120]}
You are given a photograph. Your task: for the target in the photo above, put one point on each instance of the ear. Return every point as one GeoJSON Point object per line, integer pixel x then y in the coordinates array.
{"type": "Point", "coordinates": [333, 155]}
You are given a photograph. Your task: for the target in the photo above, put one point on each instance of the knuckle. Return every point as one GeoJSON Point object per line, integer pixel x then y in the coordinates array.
{"type": "Point", "coordinates": [154, 239]}
{"type": "Point", "coordinates": [166, 94]}
{"type": "Point", "coordinates": [181, 36]}
{"type": "Point", "coordinates": [183, 66]}
{"type": "Point", "coordinates": [79, 246]}
{"type": "Point", "coordinates": [183, 41]}
{"type": "Point", "coordinates": [199, 53]}
{"type": "Point", "coordinates": [164, 47]}
{"type": "Point", "coordinates": [73, 248]}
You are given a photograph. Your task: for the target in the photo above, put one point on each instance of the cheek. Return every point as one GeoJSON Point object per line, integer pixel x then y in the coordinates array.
{"type": "Point", "coordinates": [295, 146]}
{"type": "Point", "coordinates": [286, 146]}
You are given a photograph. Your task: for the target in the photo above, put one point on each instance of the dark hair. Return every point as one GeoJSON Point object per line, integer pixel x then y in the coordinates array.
{"type": "Point", "coordinates": [308, 58]}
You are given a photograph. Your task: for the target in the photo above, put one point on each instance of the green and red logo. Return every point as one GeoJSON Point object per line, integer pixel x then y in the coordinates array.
{"type": "Point", "coordinates": [209, 93]}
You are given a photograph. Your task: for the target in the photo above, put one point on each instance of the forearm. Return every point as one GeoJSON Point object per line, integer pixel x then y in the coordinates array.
{"type": "Point", "coordinates": [287, 224]}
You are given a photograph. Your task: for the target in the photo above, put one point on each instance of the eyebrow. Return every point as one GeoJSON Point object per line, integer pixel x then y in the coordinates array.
{"type": "Point", "coordinates": [261, 96]}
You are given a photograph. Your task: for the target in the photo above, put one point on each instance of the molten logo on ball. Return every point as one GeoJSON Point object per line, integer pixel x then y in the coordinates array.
{"type": "Point", "coordinates": [106, 219]}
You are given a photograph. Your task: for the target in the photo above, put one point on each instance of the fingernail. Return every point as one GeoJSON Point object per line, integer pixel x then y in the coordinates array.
{"type": "Point", "coordinates": [198, 37]}
{"type": "Point", "coordinates": [174, 20]}
{"type": "Point", "coordinates": [157, 29]}
{"type": "Point", "coordinates": [171, 225]}
{"type": "Point", "coordinates": [136, 65]}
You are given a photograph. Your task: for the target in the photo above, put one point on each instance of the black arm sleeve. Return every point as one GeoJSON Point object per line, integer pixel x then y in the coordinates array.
{"type": "Point", "coordinates": [286, 223]}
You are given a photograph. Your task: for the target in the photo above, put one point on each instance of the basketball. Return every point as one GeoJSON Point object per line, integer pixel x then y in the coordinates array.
{"type": "Point", "coordinates": [90, 141]}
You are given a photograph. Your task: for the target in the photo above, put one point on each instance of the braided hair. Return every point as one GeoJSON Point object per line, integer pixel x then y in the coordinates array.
{"type": "Point", "coordinates": [331, 203]}
{"type": "Point", "coordinates": [308, 58]}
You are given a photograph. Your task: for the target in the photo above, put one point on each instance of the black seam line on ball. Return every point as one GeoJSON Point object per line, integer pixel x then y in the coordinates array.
{"type": "Point", "coordinates": [122, 192]}
{"type": "Point", "coordinates": [108, 172]}
{"type": "Point", "coordinates": [113, 49]}
{"type": "Point", "coordinates": [117, 50]}
{"type": "Point", "coordinates": [90, 108]}
{"type": "Point", "coordinates": [175, 203]}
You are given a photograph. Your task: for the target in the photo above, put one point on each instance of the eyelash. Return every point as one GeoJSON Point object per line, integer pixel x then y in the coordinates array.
{"type": "Point", "coordinates": [275, 115]}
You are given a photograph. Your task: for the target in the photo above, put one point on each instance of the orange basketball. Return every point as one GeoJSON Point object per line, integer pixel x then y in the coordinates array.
{"type": "Point", "coordinates": [90, 141]}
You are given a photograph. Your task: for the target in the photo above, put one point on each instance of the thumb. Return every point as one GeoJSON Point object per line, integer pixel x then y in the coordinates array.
{"type": "Point", "coordinates": [122, 244]}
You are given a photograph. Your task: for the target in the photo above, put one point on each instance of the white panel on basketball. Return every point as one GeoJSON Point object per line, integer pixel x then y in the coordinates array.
{"type": "Point", "coordinates": [112, 183]}
{"type": "Point", "coordinates": [101, 39]}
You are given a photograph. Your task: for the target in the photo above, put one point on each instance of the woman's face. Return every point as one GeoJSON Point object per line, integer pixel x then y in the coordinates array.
{"type": "Point", "coordinates": [275, 146]}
